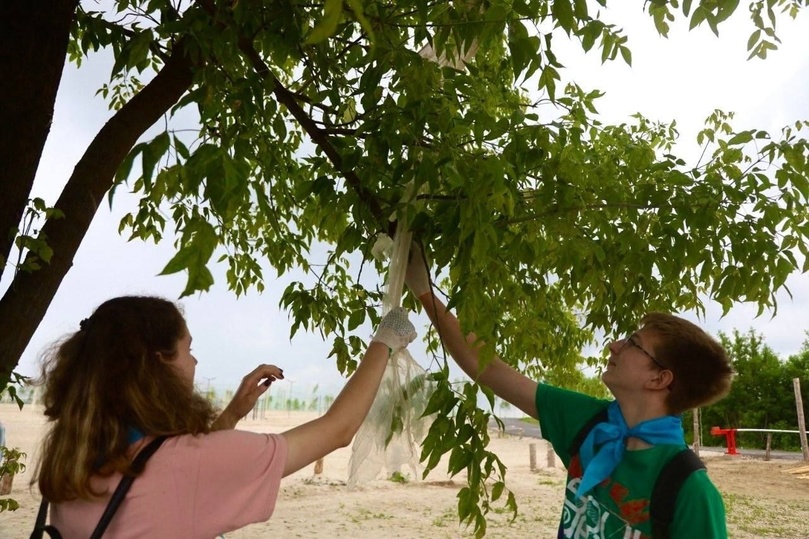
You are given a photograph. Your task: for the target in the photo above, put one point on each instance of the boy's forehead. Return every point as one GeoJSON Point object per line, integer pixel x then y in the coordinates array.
{"type": "Point", "coordinates": [645, 335]}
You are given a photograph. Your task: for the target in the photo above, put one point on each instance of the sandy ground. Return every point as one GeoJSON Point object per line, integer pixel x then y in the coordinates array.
{"type": "Point", "coordinates": [762, 499]}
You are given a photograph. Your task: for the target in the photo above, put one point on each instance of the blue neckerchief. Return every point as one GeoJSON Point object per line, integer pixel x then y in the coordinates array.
{"type": "Point", "coordinates": [133, 434]}
{"type": "Point", "coordinates": [611, 439]}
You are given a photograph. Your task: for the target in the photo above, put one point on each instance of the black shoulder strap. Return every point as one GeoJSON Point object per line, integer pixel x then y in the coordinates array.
{"type": "Point", "coordinates": [115, 501]}
{"type": "Point", "coordinates": [667, 487]}
{"type": "Point", "coordinates": [40, 528]}
{"type": "Point", "coordinates": [575, 445]}
{"type": "Point", "coordinates": [123, 486]}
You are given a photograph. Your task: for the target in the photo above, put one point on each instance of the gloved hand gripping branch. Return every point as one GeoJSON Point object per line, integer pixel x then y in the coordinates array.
{"type": "Point", "coordinates": [395, 330]}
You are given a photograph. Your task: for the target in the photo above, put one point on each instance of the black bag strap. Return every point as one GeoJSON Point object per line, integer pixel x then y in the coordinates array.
{"type": "Point", "coordinates": [115, 501]}
{"type": "Point", "coordinates": [40, 528]}
{"type": "Point", "coordinates": [667, 487]}
{"type": "Point", "coordinates": [575, 445]}
{"type": "Point", "coordinates": [123, 487]}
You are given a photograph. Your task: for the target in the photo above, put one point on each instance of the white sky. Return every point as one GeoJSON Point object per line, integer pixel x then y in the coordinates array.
{"type": "Point", "coordinates": [684, 78]}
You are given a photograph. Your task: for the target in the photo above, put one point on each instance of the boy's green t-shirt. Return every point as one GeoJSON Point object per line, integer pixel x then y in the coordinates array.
{"type": "Point", "coordinates": [619, 506]}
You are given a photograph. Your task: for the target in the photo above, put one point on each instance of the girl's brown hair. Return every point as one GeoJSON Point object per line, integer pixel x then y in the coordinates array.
{"type": "Point", "coordinates": [107, 378]}
{"type": "Point", "coordinates": [701, 368]}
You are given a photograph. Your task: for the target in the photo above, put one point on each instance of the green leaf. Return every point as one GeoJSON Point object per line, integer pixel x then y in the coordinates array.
{"type": "Point", "coordinates": [754, 37]}
{"type": "Point", "coordinates": [520, 7]}
{"type": "Point", "coordinates": [686, 7]}
{"type": "Point", "coordinates": [139, 50]}
{"type": "Point", "coordinates": [497, 490]}
{"type": "Point", "coordinates": [180, 261]}
{"type": "Point", "coordinates": [151, 154]}
{"type": "Point", "coordinates": [699, 15]}
{"type": "Point", "coordinates": [626, 54]}
{"type": "Point", "coordinates": [197, 246]}
{"type": "Point", "coordinates": [562, 11]}
{"type": "Point", "coordinates": [332, 12]}
{"type": "Point", "coordinates": [355, 319]}
{"type": "Point", "coordinates": [741, 138]}
{"type": "Point", "coordinates": [466, 504]}
{"type": "Point", "coordinates": [359, 13]}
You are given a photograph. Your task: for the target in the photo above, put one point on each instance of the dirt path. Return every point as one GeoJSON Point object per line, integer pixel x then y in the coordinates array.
{"type": "Point", "coordinates": [763, 500]}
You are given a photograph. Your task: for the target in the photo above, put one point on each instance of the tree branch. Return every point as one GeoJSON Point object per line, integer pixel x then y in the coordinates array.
{"type": "Point", "coordinates": [27, 299]}
{"type": "Point", "coordinates": [318, 136]}
{"type": "Point", "coordinates": [289, 99]}
{"type": "Point", "coordinates": [34, 36]}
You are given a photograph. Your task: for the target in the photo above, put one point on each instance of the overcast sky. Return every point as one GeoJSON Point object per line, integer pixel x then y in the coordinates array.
{"type": "Point", "coordinates": [684, 78]}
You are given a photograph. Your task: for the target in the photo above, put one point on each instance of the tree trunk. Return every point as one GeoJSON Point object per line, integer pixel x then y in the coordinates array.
{"type": "Point", "coordinates": [25, 302]}
{"type": "Point", "coordinates": [34, 35]}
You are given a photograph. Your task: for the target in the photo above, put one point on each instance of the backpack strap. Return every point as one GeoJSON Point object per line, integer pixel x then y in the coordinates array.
{"type": "Point", "coordinates": [40, 528]}
{"type": "Point", "coordinates": [115, 501]}
{"type": "Point", "coordinates": [575, 445]}
{"type": "Point", "coordinates": [125, 484]}
{"type": "Point", "coordinates": [667, 487]}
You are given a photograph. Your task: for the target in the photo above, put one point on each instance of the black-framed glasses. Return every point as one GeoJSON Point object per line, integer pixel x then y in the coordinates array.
{"type": "Point", "coordinates": [631, 340]}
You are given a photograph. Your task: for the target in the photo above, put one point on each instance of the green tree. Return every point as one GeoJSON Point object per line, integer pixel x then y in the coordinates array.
{"type": "Point", "coordinates": [320, 121]}
{"type": "Point", "coordinates": [798, 367]}
{"type": "Point", "coordinates": [754, 400]}
{"type": "Point", "coordinates": [762, 395]}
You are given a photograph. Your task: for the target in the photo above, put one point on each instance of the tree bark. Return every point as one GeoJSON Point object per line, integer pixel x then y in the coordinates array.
{"type": "Point", "coordinates": [34, 35]}
{"type": "Point", "coordinates": [25, 302]}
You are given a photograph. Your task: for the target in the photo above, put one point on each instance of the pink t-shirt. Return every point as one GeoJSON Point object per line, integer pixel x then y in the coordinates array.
{"type": "Point", "coordinates": [193, 486]}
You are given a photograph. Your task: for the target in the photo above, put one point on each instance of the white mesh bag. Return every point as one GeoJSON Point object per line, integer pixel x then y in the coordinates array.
{"type": "Point", "coordinates": [391, 435]}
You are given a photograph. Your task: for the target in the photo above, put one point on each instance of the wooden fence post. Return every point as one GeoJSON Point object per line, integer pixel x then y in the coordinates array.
{"type": "Point", "coordinates": [532, 457]}
{"type": "Point", "coordinates": [769, 446]}
{"type": "Point", "coordinates": [796, 383]}
{"type": "Point", "coordinates": [696, 431]}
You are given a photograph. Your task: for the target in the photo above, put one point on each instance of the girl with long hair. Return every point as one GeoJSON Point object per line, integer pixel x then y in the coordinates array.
{"type": "Point", "coordinates": [125, 378]}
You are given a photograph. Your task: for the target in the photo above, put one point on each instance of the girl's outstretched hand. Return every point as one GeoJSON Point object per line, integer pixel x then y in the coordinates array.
{"type": "Point", "coordinates": [253, 386]}
{"type": "Point", "coordinates": [395, 330]}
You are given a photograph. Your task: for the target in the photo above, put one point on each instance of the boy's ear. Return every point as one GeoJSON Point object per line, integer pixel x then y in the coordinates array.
{"type": "Point", "coordinates": [662, 380]}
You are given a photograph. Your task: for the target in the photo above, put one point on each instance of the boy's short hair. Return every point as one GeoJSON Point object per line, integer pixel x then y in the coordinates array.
{"type": "Point", "coordinates": [701, 367]}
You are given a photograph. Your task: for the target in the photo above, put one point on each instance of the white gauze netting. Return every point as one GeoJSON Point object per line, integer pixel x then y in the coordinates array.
{"type": "Point", "coordinates": [391, 435]}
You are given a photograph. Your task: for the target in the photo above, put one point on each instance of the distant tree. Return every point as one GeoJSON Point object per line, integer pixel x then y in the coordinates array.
{"type": "Point", "coordinates": [314, 399]}
{"type": "Point", "coordinates": [798, 367]}
{"type": "Point", "coordinates": [578, 380]}
{"type": "Point", "coordinates": [762, 393]}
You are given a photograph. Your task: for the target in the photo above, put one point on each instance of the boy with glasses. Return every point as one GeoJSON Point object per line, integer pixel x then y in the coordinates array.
{"type": "Point", "coordinates": [616, 452]}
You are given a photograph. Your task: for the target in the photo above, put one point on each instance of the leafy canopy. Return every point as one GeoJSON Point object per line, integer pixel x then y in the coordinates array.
{"type": "Point", "coordinates": [317, 123]}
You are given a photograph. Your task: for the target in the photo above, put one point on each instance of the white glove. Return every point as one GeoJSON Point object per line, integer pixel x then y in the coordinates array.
{"type": "Point", "coordinates": [417, 278]}
{"type": "Point", "coordinates": [395, 330]}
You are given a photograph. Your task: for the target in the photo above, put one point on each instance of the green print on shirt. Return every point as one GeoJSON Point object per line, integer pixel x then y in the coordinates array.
{"type": "Point", "coordinates": [587, 518]}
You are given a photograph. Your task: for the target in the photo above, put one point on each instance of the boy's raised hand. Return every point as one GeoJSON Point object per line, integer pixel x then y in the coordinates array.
{"type": "Point", "coordinates": [417, 278]}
